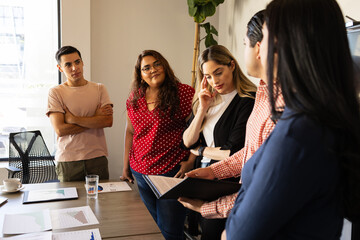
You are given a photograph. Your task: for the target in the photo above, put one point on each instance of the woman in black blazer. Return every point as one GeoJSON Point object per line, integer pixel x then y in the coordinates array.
{"type": "Point", "coordinates": [221, 108]}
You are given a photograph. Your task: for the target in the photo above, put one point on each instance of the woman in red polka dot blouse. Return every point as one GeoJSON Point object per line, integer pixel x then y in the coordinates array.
{"type": "Point", "coordinates": [157, 110]}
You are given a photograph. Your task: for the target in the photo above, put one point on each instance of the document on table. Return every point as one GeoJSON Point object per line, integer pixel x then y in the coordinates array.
{"type": "Point", "coordinates": [72, 217]}
{"type": "Point", "coordinates": [45, 195]}
{"type": "Point", "coordinates": [92, 234]}
{"type": "Point", "coordinates": [27, 222]}
{"type": "Point", "coordinates": [113, 187]}
{"type": "Point", "coordinates": [46, 220]}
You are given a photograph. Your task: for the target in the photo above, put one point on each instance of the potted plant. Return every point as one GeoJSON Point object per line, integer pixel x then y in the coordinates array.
{"type": "Point", "coordinates": [200, 10]}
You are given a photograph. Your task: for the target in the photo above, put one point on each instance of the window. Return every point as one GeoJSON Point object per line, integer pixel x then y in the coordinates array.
{"type": "Point", "coordinates": [28, 42]}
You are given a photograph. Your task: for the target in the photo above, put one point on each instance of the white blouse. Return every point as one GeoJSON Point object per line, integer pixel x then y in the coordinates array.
{"type": "Point", "coordinates": [212, 117]}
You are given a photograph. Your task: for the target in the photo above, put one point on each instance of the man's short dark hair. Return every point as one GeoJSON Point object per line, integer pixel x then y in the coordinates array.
{"type": "Point", "coordinates": [64, 51]}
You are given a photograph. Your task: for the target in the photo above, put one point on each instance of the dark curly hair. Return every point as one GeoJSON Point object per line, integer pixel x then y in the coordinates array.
{"type": "Point", "coordinates": [169, 101]}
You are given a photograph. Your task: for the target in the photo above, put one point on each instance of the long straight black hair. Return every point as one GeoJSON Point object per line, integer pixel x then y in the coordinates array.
{"type": "Point", "coordinates": [316, 76]}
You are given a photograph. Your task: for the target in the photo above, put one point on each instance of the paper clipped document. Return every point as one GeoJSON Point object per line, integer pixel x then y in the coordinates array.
{"type": "Point", "coordinates": [113, 187]}
{"type": "Point", "coordinates": [204, 189]}
{"type": "Point", "coordinates": [27, 222]}
{"type": "Point", "coordinates": [31, 236]}
{"type": "Point", "coordinates": [72, 217]}
{"type": "Point", "coordinates": [45, 195]}
{"type": "Point", "coordinates": [88, 234]}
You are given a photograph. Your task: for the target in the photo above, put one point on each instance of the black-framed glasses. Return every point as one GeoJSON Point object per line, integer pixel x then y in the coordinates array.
{"type": "Point", "coordinates": [156, 65]}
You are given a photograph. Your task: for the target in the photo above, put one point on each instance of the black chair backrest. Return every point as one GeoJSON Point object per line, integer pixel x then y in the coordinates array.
{"type": "Point", "coordinates": [28, 152]}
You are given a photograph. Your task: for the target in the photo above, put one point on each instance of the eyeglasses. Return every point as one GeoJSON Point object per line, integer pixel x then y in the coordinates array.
{"type": "Point", "coordinates": [157, 65]}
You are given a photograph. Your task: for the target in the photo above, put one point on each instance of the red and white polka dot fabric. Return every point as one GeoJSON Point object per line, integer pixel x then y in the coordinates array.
{"type": "Point", "coordinates": [156, 141]}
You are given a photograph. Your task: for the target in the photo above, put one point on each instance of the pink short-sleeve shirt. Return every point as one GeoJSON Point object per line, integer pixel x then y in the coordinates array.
{"type": "Point", "coordinates": [81, 101]}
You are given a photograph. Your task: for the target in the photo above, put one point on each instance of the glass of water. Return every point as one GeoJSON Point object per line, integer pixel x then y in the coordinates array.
{"type": "Point", "coordinates": [92, 182]}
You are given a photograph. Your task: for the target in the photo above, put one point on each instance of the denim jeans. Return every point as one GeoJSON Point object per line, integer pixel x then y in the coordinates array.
{"type": "Point", "coordinates": [169, 214]}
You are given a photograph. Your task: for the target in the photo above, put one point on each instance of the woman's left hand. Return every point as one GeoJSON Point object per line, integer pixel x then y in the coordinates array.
{"type": "Point", "coordinates": [185, 166]}
{"type": "Point", "coordinates": [193, 204]}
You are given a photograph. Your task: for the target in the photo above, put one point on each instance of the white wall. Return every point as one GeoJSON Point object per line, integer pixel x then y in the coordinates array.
{"type": "Point", "coordinates": [76, 29]}
{"type": "Point", "coordinates": [233, 18]}
{"type": "Point", "coordinates": [112, 33]}
{"type": "Point", "coordinates": [235, 14]}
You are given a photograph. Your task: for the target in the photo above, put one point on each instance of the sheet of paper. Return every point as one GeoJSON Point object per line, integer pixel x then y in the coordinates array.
{"type": "Point", "coordinates": [92, 234]}
{"type": "Point", "coordinates": [164, 184]}
{"type": "Point", "coordinates": [72, 217]}
{"type": "Point", "coordinates": [48, 194]}
{"type": "Point", "coordinates": [31, 236]}
{"type": "Point", "coordinates": [27, 222]}
{"type": "Point", "coordinates": [113, 187]}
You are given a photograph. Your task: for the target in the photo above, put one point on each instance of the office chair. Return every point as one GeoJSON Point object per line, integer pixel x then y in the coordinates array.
{"type": "Point", "coordinates": [29, 158]}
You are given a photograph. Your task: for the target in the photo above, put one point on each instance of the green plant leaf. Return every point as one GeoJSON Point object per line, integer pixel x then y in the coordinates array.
{"type": "Point", "coordinates": [206, 26]}
{"type": "Point", "coordinates": [192, 11]}
{"type": "Point", "coordinates": [200, 15]}
{"type": "Point", "coordinates": [217, 2]}
{"type": "Point", "coordinates": [191, 3]}
{"type": "Point", "coordinates": [199, 18]}
{"type": "Point", "coordinates": [209, 41]}
{"type": "Point", "coordinates": [213, 30]}
{"type": "Point", "coordinates": [201, 2]}
{"type": "Point", "coordinates": [208, 9]}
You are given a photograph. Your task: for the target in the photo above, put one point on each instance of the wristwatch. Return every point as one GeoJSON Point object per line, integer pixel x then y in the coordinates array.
{"type": "Point", "coordinates": [201, 150]}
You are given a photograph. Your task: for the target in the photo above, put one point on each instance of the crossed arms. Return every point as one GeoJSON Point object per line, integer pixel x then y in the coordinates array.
{"type": "Point", "coordinates": [67, 123]}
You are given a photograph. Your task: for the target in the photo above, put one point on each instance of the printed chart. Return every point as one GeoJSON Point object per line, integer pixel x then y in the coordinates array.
{"type": "Point", "coordinates": [27, 222]}
{"type": "Point", "coordinates": [92, 234]}
{"type": "Point", "coordinates": [43, 195]}
{"type": "Point", "coordinates": [72, 217]}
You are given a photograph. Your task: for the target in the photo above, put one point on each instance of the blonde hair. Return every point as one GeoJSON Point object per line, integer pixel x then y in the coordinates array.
{"type": "Point", "coordinates": [222, 56]}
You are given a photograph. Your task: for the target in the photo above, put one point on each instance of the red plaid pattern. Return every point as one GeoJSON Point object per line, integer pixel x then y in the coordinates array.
{"type": "Point", "coordinates": [258, 128]}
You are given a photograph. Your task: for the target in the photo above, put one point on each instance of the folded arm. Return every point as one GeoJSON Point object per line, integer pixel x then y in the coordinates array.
{"type": "Point", "coordinates": [61, 127]}
{"type": "Point", "coordinates": [103, 118]}
{"type": "Point", "coordinates": [213, 153]}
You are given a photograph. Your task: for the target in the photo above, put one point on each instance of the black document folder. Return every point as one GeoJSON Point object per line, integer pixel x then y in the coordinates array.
{"type": "Point", "coordinates": [204, 189]}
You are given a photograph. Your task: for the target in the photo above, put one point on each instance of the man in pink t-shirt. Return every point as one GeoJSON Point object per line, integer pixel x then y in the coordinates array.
{"type": "Point", "coordinates": [79, 110]}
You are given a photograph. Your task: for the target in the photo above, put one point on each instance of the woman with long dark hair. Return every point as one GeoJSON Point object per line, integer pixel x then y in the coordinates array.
{"type": "Point", "coordinates": [304, 179]}
{"type": "Point", "coordinates": [157, 110]}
